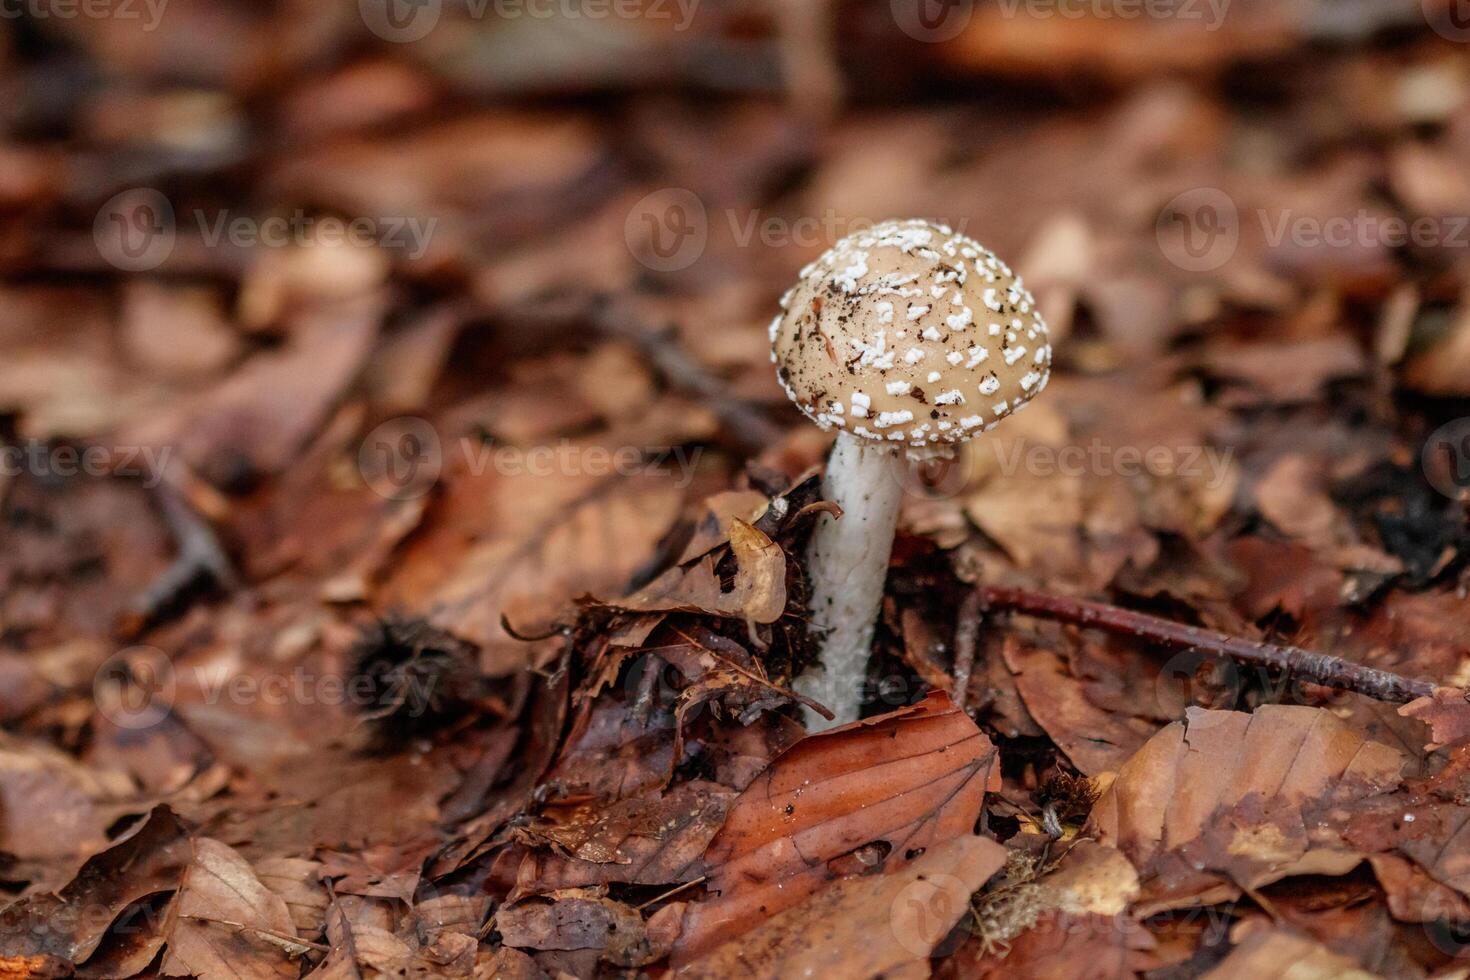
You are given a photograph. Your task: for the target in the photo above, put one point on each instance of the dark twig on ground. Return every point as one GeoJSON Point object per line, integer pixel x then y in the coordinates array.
{"type": "Point", "coordinates": [200, 557]}
{"type": "Point", "coordinates": [747, 426]}
{"type": "Point", "coordinates": [1319, 668]}
{"type": "Point", "coordinates": [966, 637]}
{"type": "Point", "coordinates": [744, 424]}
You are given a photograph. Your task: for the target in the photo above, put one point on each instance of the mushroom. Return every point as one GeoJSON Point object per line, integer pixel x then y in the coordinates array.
{"type": "Point", "coordinates": [908, 339]}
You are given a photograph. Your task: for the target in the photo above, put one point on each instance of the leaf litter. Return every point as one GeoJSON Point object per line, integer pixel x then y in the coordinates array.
{"type": "Point", "coordinates": [274, 706]}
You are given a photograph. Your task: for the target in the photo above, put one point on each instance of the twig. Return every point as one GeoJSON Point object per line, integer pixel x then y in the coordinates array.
{"type": "Point", "coordinates": [749, 427]}
{"type": "Point", "coordinates": [966, 638]}
{"type": "Point", "coordinates": [672, 891]}
{"type": "Point", "coordinates": [1318, 668]}
{"type": "Point", "coordinates": [200, 556]}
{"type": "Point", "coordinates": [293, 945]}
{"type": "Point", "coordinates": [745, 424]}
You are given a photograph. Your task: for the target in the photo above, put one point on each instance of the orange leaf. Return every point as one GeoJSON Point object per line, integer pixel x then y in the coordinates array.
{"type": "Point", "coordinates": [883, 791]}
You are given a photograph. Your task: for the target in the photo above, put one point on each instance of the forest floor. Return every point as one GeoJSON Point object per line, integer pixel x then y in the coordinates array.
{"type": "Point", "coordinates": [403, 526]}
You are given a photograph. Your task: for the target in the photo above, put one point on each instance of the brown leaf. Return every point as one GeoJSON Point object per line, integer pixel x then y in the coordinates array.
{"type": "Point", "coordinates": [52, 807]}
{"type": "Point", "coordinates": [906, 781]}
{"type": "Point", "coordinates": [299, 884]}
{"type": "Point", "coordinates": [583, 921]}
{"type": "Point", "coordinates": [227, 924]}
{"type": "Point", "coordinates": [259, 418]}
{"type": "Point", "coordinates": [863, 926]}
{"type": "Point", "coordinates": [1093, 738]}
{"type": "Point", "coordinates": [758, 595]}
{"type": "Point", "coordinates": [148, 861]}
{"type": "Point", "coordinates": [1270, 954]}
{"type": "Point", "coordinates": [1277, 372]}
{"type": "Point", "coordinates": [1062, 945]}
{"type": "Point", "coordinates": [522, 547]}
{"type": "Point", "coordinates": [1218, 803]}
{"type": "Point", "coordinates": [648, 841]}
{"type": "Point", "coordinates": [1446, 712]}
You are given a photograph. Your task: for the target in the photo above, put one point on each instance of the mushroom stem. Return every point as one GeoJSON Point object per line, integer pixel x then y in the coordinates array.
{"type": "Point", "coordinates": [847, 562]}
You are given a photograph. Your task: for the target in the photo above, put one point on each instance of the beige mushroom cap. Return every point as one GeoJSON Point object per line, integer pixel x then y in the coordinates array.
{"type": "Point", "coordinates": [911, 334]}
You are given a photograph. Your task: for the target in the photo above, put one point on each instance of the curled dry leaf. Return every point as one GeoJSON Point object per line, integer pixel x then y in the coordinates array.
{"type": "Point", "coordinates": [758, 595]}
{"type": "Point", "coordinates": [644, 840]}
{"type": "Point", "coordinates": [1226, 801]}
{"type": "Point", "coordinates": [150, 860]}
{"type": "Point", "coordinates": [1093, 738]}
{"type": "Point", "coordinates": [882, 791]}
{"type": "Point", "coordinates": [1446, 712]}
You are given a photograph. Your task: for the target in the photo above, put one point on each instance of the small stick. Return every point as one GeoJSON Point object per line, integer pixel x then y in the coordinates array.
{"type": "Point", "coordinates": [966, 638]}
{"type": "Point", "coordinates": [744, 423]}
{"type": "Point", "coordinates": [752, 430]}
{"type": "Point", "coordinates": [672, 891]}
{"type": "Point", "coordinates": [199, 555]}
{"type": "Point", "coordinates": [1319, 668]}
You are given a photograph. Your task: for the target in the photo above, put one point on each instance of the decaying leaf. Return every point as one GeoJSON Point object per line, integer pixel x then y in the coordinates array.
{"type": "Point", "coordinates": [1270, 954]}
{"type": "Point", "coordinates": [882, 791]}
{"type": "Point", "coordinates": [148, 861]}
{"type": "Point", "coordinates": [758, 593]}
{"type": "Point", "coordinates": [1094, 739]}
{"type": "Point", "coordinates": [1226, 801]}
{"type": "Point", "coordinates": [864, 926]}
{"type": "Point", "coordinates": [227, 924]}
{"type": "Point", "coordinates": [577, 921]}
{"type": "Point", "coordinates": [1446, 712]}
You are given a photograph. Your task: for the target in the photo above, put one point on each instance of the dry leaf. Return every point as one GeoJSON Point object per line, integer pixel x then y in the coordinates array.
{"type": "Point", "coordinates": [1271, 954]}
{"type": "Point", "coordinates": [1446, 712]}
{"type": "Point", "coordinates": [227, 924]}
{"type": "Point", "coordinates": [1220, 802]}
{"type": "Point", "coordinates": [883, 790]}
{"type": "Point", "coordinates": [872, 926]}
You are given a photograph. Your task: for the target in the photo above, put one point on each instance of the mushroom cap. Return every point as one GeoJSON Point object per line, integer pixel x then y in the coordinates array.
{"type": "Point", "coordinates": [910, 334]}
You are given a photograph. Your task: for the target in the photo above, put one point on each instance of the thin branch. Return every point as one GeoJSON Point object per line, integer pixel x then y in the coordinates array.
{"type": "Point", "coordinates": [744, 423]}
{"type": "Point", "coordinates": [1319, 668]}
{"type": "Point", "coordinates": [966, 638]}
{"type": "Point", "coordinates": [672, 891]}
{"type": "Point", "coordinates": [200, 556]}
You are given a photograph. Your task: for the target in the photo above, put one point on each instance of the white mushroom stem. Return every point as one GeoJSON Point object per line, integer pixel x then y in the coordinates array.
{"type": "Point", "coordinates": [847, 563]}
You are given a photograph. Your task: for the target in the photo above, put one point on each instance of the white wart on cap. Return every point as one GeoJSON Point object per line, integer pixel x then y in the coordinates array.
{"type": "Point", "coordinates": [911, 335]}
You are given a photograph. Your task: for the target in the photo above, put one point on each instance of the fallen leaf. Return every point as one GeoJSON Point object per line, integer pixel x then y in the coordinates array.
{"type": "Point", "coordinates": [865, 926]}
{"type": "Point", "coordinates": [758, 594]}
{"type": "Point", "coordinates": [1219, 802]}
{"type": "Point", "coordinates": [1278, 955]}
{"type": "Point", "coordinates": [573, 921]}
{"type": "Point", "coordinates": [150, 860]}
{"type": "Point", "coordinates": [1446, 712]}
{"type": "Point", "coordinates": [227, 925]}
{"type": "Point", "coordinates": [1094, 739]}
{"type": "Point", "coordinates": [901, 783]}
